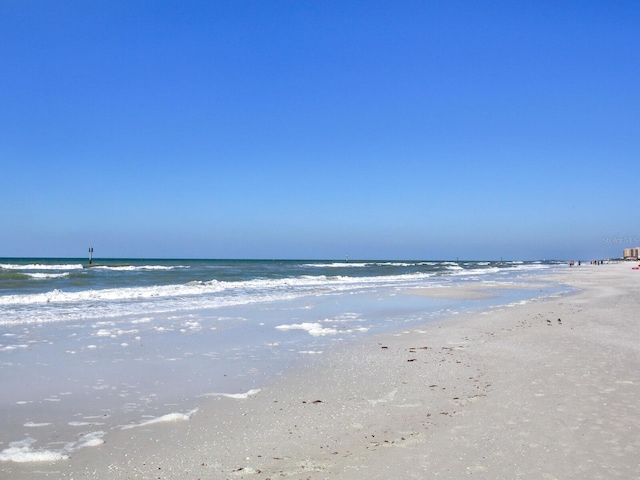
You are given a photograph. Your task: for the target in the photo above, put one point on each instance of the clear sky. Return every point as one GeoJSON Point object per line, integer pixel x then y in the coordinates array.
{"type": "Point", "coordinates": [315, 129]}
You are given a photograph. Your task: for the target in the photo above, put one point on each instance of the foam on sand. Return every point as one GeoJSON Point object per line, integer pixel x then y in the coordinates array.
{"type": "Point", "coordinates": [248, 394]}
{"type": "Point", "coordinates": [22, 451]}
{"type": "Point", "coordinates": [170, 417]}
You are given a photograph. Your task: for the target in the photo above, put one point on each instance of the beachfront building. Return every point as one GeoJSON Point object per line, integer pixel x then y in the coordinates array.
{"type": "Point", "coordinates": [631, 253]}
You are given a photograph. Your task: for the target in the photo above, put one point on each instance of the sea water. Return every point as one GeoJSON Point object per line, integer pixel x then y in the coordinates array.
{"type": "Point", "coordinates": [88, 348]}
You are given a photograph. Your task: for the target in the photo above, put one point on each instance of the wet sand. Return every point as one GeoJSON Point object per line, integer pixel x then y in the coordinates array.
{"type": "Point", "coordinates": [547, 389]}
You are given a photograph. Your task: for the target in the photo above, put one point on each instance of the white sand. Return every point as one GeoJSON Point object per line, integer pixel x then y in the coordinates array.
{"type": "Point", "coordinates": [544, 390]}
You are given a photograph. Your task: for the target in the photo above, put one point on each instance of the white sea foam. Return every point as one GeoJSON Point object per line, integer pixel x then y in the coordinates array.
{"type": "Point", "coordinates": [21, 452]}
{"type": "Point", "coordinates": [115, 333]}
{"type": "Point", "coordinates": [35, 425]}
{"type": "Point", "coordinates": [92, 439]}
{"type": "Point", "coordinates": [314, 329]}
{"type": "Point", "coordinates": [142, 320]}
{"type": "Point", "coordinates": [364, 264]}
{"type": "Point", "coordinates": [170, 417]}
{"type": "Point", "coordinates": [347, 317]}
{"type": "Point", "coordinates": [240, 396]}
{"type": "Point", "coordinates": [12, 347]}
{"type": "Point", "coordinates": [44, 276]}
{"type": "Point", "coordinates": [337, 265]}
{"type": "Point", "coordinates": [36, 266]}
{"type": "Point", "coordinates": [135, 268]}
{"type": "Point", "coordinates": [453, 267]}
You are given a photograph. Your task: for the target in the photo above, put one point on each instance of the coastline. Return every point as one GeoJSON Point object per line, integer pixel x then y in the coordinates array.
{"type": "Point", "coordinates": [545, 389]}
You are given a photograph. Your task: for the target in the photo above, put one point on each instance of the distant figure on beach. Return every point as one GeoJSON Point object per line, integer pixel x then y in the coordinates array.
{"type": "Point", "coordinates": [571, 263]}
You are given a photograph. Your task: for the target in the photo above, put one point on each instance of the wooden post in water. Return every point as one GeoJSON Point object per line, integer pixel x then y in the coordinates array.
{"type": "Point", "coordinates": [90, 255]}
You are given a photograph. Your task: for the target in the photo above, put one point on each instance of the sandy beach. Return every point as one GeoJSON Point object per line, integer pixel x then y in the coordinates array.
{"type": "Point", "coordinates": [539, 390]}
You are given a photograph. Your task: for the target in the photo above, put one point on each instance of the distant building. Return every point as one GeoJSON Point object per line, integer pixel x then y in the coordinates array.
{"type": "Point", "coordinates": [631, 253]}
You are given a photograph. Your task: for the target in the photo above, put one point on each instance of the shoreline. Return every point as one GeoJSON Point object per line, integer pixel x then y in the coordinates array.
{"type": "Point", "coordinates": [511, 392]}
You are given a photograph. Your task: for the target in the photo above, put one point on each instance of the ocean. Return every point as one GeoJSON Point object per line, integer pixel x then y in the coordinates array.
{"type": "Point", "coordinates": [89, 348]}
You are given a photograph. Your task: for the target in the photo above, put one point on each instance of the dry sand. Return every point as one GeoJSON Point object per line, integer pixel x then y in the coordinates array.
{"type": "Point", "coordinates": [544, 390]}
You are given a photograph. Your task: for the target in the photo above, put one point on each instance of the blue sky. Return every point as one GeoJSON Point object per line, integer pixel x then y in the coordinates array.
{"type": "Point", "coordinates": [299, 129]}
